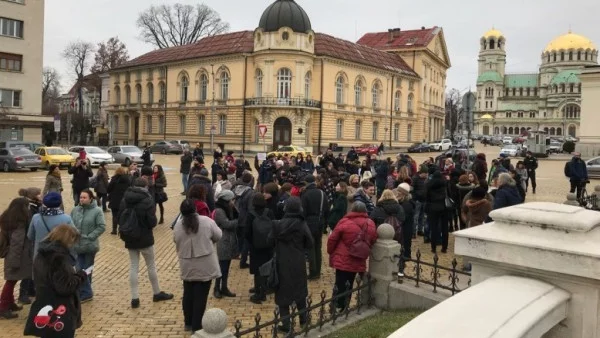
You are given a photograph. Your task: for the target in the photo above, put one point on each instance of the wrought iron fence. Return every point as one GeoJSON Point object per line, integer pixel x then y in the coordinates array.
{"type": "Point", "coordinates": [315, 315]}
{"type": "Point", "coordinates": [589, 202]}
{"type": "Point", "coordinates": [433, 274]}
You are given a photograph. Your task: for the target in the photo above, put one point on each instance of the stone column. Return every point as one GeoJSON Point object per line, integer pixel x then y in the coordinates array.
{"type": "Point", "coordinates": [383, 264]}
{"type": "Point", "coordinates": [214, 325]}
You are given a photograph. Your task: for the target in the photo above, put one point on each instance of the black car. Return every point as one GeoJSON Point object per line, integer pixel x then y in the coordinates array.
{"type": "Point", "coordinates": [419, 148]}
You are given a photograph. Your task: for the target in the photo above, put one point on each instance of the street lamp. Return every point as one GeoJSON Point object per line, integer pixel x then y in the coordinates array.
{"type": "Point", "coordinates": [212, 110]}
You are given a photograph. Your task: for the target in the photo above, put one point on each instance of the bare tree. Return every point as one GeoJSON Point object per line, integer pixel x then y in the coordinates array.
{"type": "Point", "coordinates": [109, 55]}
{"type": "Point", "coordinates": [453, 111]}
{"type": "Point", "coordinates": [50, 91]}
{"type": "Point", "coordinates": [166, 26]}
{"type": "Point", "coordinates": [78, 55]}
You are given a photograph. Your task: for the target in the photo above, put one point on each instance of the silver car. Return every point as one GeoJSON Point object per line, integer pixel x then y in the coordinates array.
{"type": "Point", "coordinates": [128, 154]}
{"type": "Point", "coordinates": [593, 167]}
{"type": "Point", "coordinates": [19, 158]}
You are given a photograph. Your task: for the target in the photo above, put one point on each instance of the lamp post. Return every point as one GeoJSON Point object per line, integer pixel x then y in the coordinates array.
{"type": "Point", "coordinates": [212, 110]}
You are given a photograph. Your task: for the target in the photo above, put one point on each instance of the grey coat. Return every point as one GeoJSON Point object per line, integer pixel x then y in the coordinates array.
{"type": "Point", "coordinates": [227, 248]}
{"type": "Point", "coordinates": [102, 185]}
{"type": "Point", "coordinates": [18, 264]}
{"type": "Point", "coordinates": [53, 184]}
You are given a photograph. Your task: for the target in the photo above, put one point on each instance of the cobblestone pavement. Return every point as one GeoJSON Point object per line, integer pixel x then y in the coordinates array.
{"type": "Point", "coordinates": [110, 315]}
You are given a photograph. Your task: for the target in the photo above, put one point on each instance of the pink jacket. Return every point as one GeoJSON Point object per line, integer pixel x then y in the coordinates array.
{"type": "Point", "coordinates": [340, 241]}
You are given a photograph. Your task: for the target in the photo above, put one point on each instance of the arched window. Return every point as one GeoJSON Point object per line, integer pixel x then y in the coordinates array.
{"type": "Point", "coordinates": [339, 129]}
{"type": "Point", "coordinates": [259, 83]}
{"type": "Point", "coordinates": [284, 83]}
{"type": "Point", "coordinates": [87, 108]}
{"type": "Point", "coordinates": [127, 95]}
{"type": "Point", "coordinates": [510, 130]}
{"type": "Point", "coordinates": [163, 92]}
{"type": "Point", "coordinates": [358, 130]}
{"type": "Point", "coordinates": [570, 56]}
{"type": "Point", "coordinates": [554, 56]}
{"type": "Point", "coordinates": [339, 90]}
{"type": "Point", "coordinates": [375, 95]}
{"type": "Point", "coordinates": [375, 131]}
{"type": "Point", "coordinates": [409, 104]}
{"type": "Point", "coordinates": [203, 87]}
{"type": "Point", "coordinates": [161, 124]}
{"type": "Point", "coordinates": [307, 80]}
{"type": "Point", "coordinates": [562, 58]}
{"type": "Point", "coordinates": [184, 85]}
{"type": "Point", "coordinates": [429, 97]}
{"type": "Point", "coordinates": [397, 101]}
{"type": "Point", "coordinates": [579, 55]}
{"type": "Point", "coordinates": [397, 132]}
{"type": "Point", "coordinates": [138, 92]}
{"type": "Point", "coordinates": [492, 44]}
{"type": "Point", "coordinates": [224, 85]}
{"type": "Point", "coordinates": [126, 124]}
{"type": "Point", "coordinates": [115, 124]}
{"type": "Point", "coordinates": [552, 131]}
{"type": "Point", "coordinates": [358, 93]}
{"type": "Point", "coordinates": [548, 57]}
{"type": "Point", "coordinates": [572, 130]}
{"type": "Point", "coordinates": [559, 131]}
{"type": "Point", "coordinates": [150, 88]}
{"type": "Point", "coordinates": [562, 88]}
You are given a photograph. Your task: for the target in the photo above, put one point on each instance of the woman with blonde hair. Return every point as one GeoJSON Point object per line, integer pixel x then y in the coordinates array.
{"type": "Point", "coordinates": [403, 176]}
{"type": "Point", "coordinates": [389, 211]}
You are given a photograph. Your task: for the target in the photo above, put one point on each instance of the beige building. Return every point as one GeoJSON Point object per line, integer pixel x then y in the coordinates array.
{"type": "Point", "coordinates": [21, 54]}
{"type": "Point", "coordinates": [589, 138]}
{"type": "Point", "coordinates": [309, 88]}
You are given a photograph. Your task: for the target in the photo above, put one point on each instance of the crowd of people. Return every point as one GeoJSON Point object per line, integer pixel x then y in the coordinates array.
{"type": "Point", "coordinates": [279, 218]}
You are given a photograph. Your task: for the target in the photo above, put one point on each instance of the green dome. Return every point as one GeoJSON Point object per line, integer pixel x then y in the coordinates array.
{"type": "Point", "coordinates": [489, 76]}
{"type": "Point", "coordinates": [566, 76]}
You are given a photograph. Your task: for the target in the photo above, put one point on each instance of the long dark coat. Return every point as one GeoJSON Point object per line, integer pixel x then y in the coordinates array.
{"type": "Point", "coordinates": [18, 263]}
{"type": "Point", "coordinates": [258, 257]}
{"type": "Point", "coordinates": [116, 190]}
{"type": "Point", "coordinates": [292, 238]}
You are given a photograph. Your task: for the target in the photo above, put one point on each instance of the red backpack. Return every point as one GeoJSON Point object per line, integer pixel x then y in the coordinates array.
{"type": "Point", "coordinates": [360, 248]}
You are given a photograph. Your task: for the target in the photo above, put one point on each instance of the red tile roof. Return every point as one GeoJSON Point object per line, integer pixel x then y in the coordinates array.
{"type": "Point", "coordinates": [326, 45]}
{"type": "Point", "coordinates": [243, 42]}
{"type": "Point", "coordinates": [401, 39]}
{"type": "Point", "coordinates": [223, 44]}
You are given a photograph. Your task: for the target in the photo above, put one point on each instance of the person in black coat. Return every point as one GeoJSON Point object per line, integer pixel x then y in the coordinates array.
{"type": "Point", "coordinates": [314, 207]}
{"type": "Point", "coordinates": [291, 238]}
{"type": "Point", "coordinates": [117, 186]}
{"type": "Point", "coordinates": [146, 157]}
{"type": "Point", "coordinates": [202, 178]}
{"type": "Point", "coordinates": [198, 153]}
{"type": "Point", "coordinates": [258, 257]}
{"type": "Point", "coordinates": [437, 213]}
{"type": "Point", "coordinates": [405, 200]}
{"type": "Point", "coordinates": [381, 173]}
{"type": "Point", "coordinates": [184, 168]}
{"type": "Point", "coordinates": [81, 178]}
{"type": "Point", "coordinates": [387, 206]}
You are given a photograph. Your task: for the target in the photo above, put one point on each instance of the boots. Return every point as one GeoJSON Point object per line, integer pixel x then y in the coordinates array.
{"type": "Point", "coordinates": [217, 291]}
{"type": "Point", "coordinates": [114, 230]}
{"type": "Point", "coordinates": [162, 220]}
{"type": "Point", "coordinates": [225, 292]}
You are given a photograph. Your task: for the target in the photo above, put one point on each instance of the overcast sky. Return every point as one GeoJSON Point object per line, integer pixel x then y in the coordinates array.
{"type": "Point", "coordinates": [528, 25]}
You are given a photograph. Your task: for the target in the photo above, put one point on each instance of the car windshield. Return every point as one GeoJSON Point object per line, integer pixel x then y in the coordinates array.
{"type": "Point", "coordinates": [131, 150]}
{"type": "Point", "coordinates": [57, 151]}
{"type": "Point", "coordinates": [510, 146]}
{"type": "Point", "coordinates": [94, 150]}
{"type": "Point", "coordinates": [21, 151]}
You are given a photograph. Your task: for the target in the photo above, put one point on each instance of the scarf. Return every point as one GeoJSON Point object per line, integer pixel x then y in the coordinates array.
{"type": "Point", "coordinates": [219, 187]}
{"type": "Point", "coordinates": [55, 174]}
{"type": "Point", "coordinates": [51, 211]}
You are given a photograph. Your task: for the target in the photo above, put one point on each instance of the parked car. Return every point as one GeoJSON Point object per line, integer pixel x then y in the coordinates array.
{"type": "Point", "coordinates": [19, 158]}
{"type": "Point", "coordinates": [290, 151]}
{"type": "Point", "coordinates": [183, 144]}
{"type": "Point", "coordinates": [520, 139]}
{"type": "Point", "coordinates": [507, 140]}
{"type": "Point", "coordinates": [593, 167]}
{"type": "Point", "coordinates": [21, 144]}
{"type": "Point", "coordinates": [419, 148]}
{"type": "Point", "coordinates": [366, 148]}
{"type": "Point", "coordinates": [510, 150]}
{"type": "Point", "coordinates": [166, 147]}
{"type": "Point", "coordinates": [127, 154]}
{"type": "Point", "coordinates": [441, 145]}
{"type": "Point", "coordinates": [94, 155]}
{"type": "Point", "coordinates": [55, 155]}
{"type": "Point", "coordinates": [555, 147]}
{"type": "Point", "coordinates": [571, 138]}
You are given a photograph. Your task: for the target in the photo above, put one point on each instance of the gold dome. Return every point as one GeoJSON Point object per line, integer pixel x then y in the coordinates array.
{"type": "Point", "coordinates": [493, 33]}
{"type": "Point", "coordinates": [487, 117]}
{"type": "Point", "coordinates": [570, 41]}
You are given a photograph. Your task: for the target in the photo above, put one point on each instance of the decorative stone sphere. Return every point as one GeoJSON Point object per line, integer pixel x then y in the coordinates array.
{"type": "Point", "coordinates": [597, 189]}
{"type": "Point", "coordinates": [571, 197]}
{"type": "Point", "coordinates": [214, 321]}
{"type": "Point", "coordinates": [385, 231]}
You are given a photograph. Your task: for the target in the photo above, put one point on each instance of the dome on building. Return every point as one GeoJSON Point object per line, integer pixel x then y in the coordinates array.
{"type": "Point", "coordinates": [487, 117]}
{"type": "Point", "coordinates": [570, 41]}
{"type": "Point", "coordinates": [493, 33]}
{"type": "Point", "coordinates": [285, 13]}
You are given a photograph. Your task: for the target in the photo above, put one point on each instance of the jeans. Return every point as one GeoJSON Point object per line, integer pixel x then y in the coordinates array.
{"type": "Point", "coordinates": [577, 185]}
{"type": "Point", "coordinates": [285, 311]}
{"type": "Point", "coordinates": [84, 261]}
{"type": "Point", "coordinates": [76, 194]}
{"type": "Point", "coordinates": [115, 219]}
{"type": "Point", "coordinates": [7, 297]}
{"type": "Point", "coordinates": [102, 201]}
{"type": "Point", "coordinates": [315, 255]}
{"type": "Point", "coordinates": [222, 282]}
{"type": "Point", "coordinates": [344, 280]}
{"type": "Point", "coordinates": [438, 221]}
{"type": "Point", "coordinates": [195, 296]}
{"type": "Point", "coordinates": [134, 259]}
{"type": "Point", "coordinates": [185, 178]}
{"type": "Point", "coordinates": [419, 216]}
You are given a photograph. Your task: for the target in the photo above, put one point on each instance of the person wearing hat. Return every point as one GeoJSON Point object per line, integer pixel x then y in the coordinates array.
{"type": "Point", "coordinates": [195, 238]}
{"type": "Point", "coordinates": [227, 248]}
{"type": "Point", "coordinates": [81, 172]}
{"type": "Point", "coordinates": [315, 207]}
{"type": "Point", "coordinates": [388, 210]}
{"type": "Point", "coordinates": [49, 218]}
{"type": "Point", "coordinates": [476, 209]}
{"type": "Point", "coordinates": [403, 194]}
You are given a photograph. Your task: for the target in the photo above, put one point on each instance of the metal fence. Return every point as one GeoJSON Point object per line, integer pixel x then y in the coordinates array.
{"type": "Point", "coordinates": [589, 202]}
{"type": "Point", "coordinates": [316, 314]}
{"type": "Point", "coordinates": [452, 279]}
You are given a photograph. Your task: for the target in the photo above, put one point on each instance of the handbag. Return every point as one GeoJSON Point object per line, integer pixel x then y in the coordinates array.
{"type": "Point", "coordinates": [269, 271]}
{"type": "Point", "coordinates": [450, 204]}
{"type": "Point", "coordinates": [161, 197]}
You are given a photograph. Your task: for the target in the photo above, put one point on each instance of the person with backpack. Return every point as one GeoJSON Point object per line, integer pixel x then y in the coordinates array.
{"type": "Point", "coordinates": [291, 238]}
{"type": "Point", "coordinates": [258, 226]}
{"type": "Point", "coordinates": [349, 247]}
{"type": "Point", "coordinates": [243, 203]}
{"type": "Point", "coordinates": [119, 183]}
{"type": "Point", "coordinates": [314, 207]}
{"type": "Point", "coordinates": [195, 237]}
{"type": "Point", "coordinates": [137, 219]}
{"type": "Point", "coordinates": [50, 217]}
{"type": "Point", "coordinates": [576, 171]}
{"type": "Point", "coordinates": [389, 211]}
{"type": "Point", "coordinates": [16, 249]}
{"type": "Point", "coordinates": [225, 216]}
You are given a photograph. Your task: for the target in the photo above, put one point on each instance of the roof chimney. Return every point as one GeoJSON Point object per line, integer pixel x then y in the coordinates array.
{"type": "Point", "coordinates": [422, 27]}
{"type": "Point", "coordinates": [393, 33]}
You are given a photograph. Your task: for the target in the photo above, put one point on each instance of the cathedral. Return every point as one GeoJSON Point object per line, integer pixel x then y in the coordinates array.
{"type": "Point", "coordinates": [549, 100]}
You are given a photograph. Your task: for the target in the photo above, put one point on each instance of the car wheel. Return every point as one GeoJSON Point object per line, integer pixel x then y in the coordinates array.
{"type": "Point", "coordinates": [164, 151]}
{"type": "Point", "coordinates": [127, 162]}
{"type": "Point", "coordinates": [440, 149]}
{"type": "Point", "coordinates": [33, 169]}
{"type": "Point", "coordinates": [6, 167]}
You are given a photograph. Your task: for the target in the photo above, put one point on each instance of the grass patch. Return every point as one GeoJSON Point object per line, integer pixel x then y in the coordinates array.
{"type": "Point", "coordinates": [379, 326]}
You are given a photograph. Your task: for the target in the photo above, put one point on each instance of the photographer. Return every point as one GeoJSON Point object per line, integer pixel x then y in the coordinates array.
{"type": "Point", "coordinates": [81, 178]}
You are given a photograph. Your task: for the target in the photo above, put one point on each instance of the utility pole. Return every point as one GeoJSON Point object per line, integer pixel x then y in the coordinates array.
{"type": "Point", "coordinates": [212, 111]}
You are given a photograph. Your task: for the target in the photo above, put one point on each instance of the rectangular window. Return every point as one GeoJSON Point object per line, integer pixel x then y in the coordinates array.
{"type": "Point", "coordinates": [409, 132]}
{"type": "Point", "coordinates": [10, 98]}
{"type": "Point", "coordinates": [162, 72]}
{"type": "Point", "coordinates": [375, 131]}
{"type": "Point", "coordinates": [182, 124]}
{"type": "Point", "coordinates": [115, 125]}
{"type": "Point", "coordinates": [138, 75]}
{"type": "Point", "coordinates": [201, 124]}
{"type": "Point", "coordinates": [396, 132]}
{"type": "Point", "coordinates": [161, 124]}
{"type": "Point", "coordinates": [398, 83]}
{"type": "Point", "coordinates": [508, 114]}
{"type": "Point", "coordinates": [11, 62]}
{"type": "Point", "coordinates": [532, 114]}
{"type": "Point", "coordinates": [339, 129]}
{"type": "Point", "coordinates": [149, 124]}
{"type": "Point", "coordinates": [357, 129]}
{"type": "Point", "coordinates": [126, 124]}
{"type": "Point", "coordinates": [222, 124]}
{"type": "Point", "coordinates": [10, 27]}
{"type": "Point", "coordinates": [411, 85]}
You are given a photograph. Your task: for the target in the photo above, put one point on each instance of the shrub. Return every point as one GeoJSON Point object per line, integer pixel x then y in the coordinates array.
{"type": "Point", "coordinates": [568, 147]}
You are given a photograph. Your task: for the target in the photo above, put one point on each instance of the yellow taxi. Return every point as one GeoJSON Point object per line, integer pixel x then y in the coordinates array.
{"type": "Point", "coordinates": [290, 151]}
{"type": "Point", "coordinates": [55, 155]}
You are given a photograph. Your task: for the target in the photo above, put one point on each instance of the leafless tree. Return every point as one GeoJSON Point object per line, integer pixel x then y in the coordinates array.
{"type": "Point", "coordinates": [453, 111]}
{"type": "Point", "coordinates": [166, 26]}
{"type": "Point", "coordinates": [50, 91]}
{"type": "Point", "coordinates": [78, 55]}
{"type": "Point", "coordinates": [109, 55]}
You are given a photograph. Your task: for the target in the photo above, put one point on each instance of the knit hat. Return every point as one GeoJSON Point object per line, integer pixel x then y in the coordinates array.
{"type": "Point", "coordinates": [405, 187]}
{"type": "Point", "coordinates": [225, 195]}
{"type": "Point", "coordinates": [52, 200]}
{"type": "Point", "coordinates": [293, 205]}
{"type": "Point", "coordinates": [463, 179]}
{"type": "Point", "coordinates": [31, 193]}
{"type": "Point", "coordinates": [187, 207]}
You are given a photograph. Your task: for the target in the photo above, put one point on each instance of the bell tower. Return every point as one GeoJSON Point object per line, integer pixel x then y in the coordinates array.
{"type": "Point", "coordinates": [492, 53]}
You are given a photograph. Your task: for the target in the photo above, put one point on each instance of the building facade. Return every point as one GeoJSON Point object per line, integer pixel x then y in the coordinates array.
{"type": "Point", "coordinates": [549, 100]}
{"type": "Point", "coordinates": [589, 137]}
{"type": "Point", "coordinates": [21, 62]}
{"type": "Point", "coordinates": [309, 89]}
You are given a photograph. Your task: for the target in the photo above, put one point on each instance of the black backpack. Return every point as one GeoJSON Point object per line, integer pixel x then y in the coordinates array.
{"type": "Point", "coordinates": [397, 225]}
{"type": "Point", "coordinates": [568, 169]}
{"type": "Point", "coordinates": [261, 228]}
{"type": "Point", "coordinates": [129, 226]}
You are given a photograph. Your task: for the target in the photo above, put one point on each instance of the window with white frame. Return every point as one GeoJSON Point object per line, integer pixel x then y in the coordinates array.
{"type": "Point", "coordinates": [409, 104]}
{"type": "Point", "coordinates": [375, 131]}
{"type": "Point", "coordinates": [10, 27]}
{"type": "Point", "coordinates": [339, 90]}
{"type": "Point", "coordinates": [224, 86]}
{"type": "Point", "coordinates": [358, 129]}
{"type": "Point", "coordinates": [259, 83]}
{"type": "Point", "coordinates": [397, 101]}
{"type": "Point", "coordinates": [184, 85]}
{"type": "Point", "coordinates": [284, 83]}
{"type": "Point", "coordinates": [201, 125]}
{"type": "Point", "coordinates": [222, 124]}
{"type": "Point", "coordinates": [203, 87]}
{"type": "Point", "coordinates": [409, 132]}
{"type": "Point", "coordinates": [358, 93]}
{"type": "Point", "coordinates": [375, 95]}
{"type": "Point", "coordinates": [150, 93]}
{"type": "Point", "coordinates": [10, 98]}
{"type": "Point", "coordinates": [161, 124]}
{"type": "Point", "coordinates": [182, 124]}
{"type": "Point", "coordinates": [339, 128]}
{"type": "Point", "coordinates": [149, 124]}
{"type": "Point", "coordinates": [397, 132]}
{"type": "Point", "coordinates": [307, 80]}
